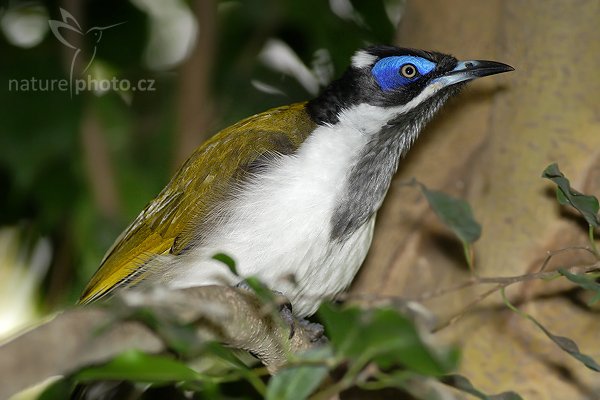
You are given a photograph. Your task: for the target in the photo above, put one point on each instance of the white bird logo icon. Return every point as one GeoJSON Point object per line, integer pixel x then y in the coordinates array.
{"type": "Point", "coordinates": [70, 23]}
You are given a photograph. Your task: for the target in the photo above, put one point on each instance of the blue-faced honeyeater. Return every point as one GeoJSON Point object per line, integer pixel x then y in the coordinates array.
{"type": "Point", "coordinates": [290, 194]}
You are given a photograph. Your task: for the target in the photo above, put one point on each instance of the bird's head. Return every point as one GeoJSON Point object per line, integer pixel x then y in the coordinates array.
{"type": "Point", "coordinates": [378, 108]}
{"type": "Point", "coordinates": [385, 84]}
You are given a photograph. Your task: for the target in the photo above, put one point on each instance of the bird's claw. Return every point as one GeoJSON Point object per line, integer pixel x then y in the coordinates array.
{"type": "Point", "coordinates": [314, 330]}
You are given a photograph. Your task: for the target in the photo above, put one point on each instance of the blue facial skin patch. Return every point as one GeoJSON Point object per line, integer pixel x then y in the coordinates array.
{"type": "Point", "coordinates": [387, 70]}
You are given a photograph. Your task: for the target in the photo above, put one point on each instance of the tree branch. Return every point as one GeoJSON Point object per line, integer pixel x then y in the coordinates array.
{"type": "Point", "coordinates": [94, 334]}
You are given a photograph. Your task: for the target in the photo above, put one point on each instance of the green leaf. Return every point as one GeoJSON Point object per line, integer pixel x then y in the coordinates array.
{"type": "Point", "coordinates": [394, 340]}
{"type": "Point", "coordinates": [57, 390]}
{"type": "Point", "coordinates": [569, 346]}
{"type": "Point", "coordinates": [227, 354]}
{"type": "Point", "coordinates": [228, 261]}
{"type": "Point", "coordinates": [178, 336]}
{"type": "Point", "coordinates": [455, 213]}
{"type": "Point", "coordinates": [417, 386]}
{"type": "Point", "coordinates": [586, 205]}
{"type": "Point", "coordinates": [463, 384]}
{"type": "Point", "coordinates": [134, 365]}
{"type": "Point", "coordinates": [561, 198]}
{"type": "Point", "coordinates": [343, 328]}
{"type": "Point", "coordinates": [262, 292]}
{"type": "Point", "coordinates": [384, 336]}
{"type": "Point", "coordinates": [301, 381]}
{"type": "Point", "coordinates": [565, 344]}
{"type": "Point", "coordinates": [584, 282]}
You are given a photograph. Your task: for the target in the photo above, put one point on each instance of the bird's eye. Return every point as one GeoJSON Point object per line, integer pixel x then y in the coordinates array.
{"type": "Point", "coordinates": [395, 72]}
{"type": "Point", "coordinates": [408, 71]}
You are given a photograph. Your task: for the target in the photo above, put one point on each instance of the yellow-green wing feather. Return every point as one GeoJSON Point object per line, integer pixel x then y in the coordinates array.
{"type": "Point", "coordinates": [172, 221]}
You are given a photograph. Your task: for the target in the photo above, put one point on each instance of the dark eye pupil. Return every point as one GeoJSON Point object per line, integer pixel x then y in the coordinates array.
{"type": "Point", "coordinates": [409, 71]}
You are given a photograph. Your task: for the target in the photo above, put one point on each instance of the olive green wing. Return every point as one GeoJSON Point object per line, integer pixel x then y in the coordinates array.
{"type": "Point", "coordinates": [173, 220]}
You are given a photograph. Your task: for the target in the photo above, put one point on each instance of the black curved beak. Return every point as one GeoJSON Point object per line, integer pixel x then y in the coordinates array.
{"type": "Point", "coordinates": [473, 69]}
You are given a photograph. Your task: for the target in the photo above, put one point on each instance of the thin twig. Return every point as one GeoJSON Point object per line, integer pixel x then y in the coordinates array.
{"type": "Point", "coordinates": [552, 253]}
{"type": "Point", "coordinates": [475, 280]}
{"type": "Point", "coordinates": [468, 308]}
{"type": "Point", "coordinates": [503, 282]}
{"type": "Point", "coordinates": [440, 292]}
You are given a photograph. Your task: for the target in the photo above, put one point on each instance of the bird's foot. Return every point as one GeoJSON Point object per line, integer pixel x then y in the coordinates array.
{"type": "Point", "coordinates": [285, 308]}
{"type": "Point", "coordinates": [287, 315]}
{"type": "Point", "coordinates": [314, 330]}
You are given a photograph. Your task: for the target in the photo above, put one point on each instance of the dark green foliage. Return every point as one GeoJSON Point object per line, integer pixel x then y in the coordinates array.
{"type": "Point", "coordinates": [583, 281]}
{"type": "Point", "coordinates": [564, 343]}
{"type": "Point", "coordinates": [455, 213]}
{"type": "Point", "coordinates": [385, 337]}
{"type": "Point", "coordinates": [569, 346]}
{"type": "Point", "coordinates": [261, 290]}
{"type": "Point", "coordinates": [140, 367]}
{"type": "Point", "coordinates": [358, 337]}
{"type": "Point", "coordinates": [179, 337]}
{"type": "Point", "coordinates": [297, 383]}
{"type": "Point", "coordinates": [228, 261]}
{"type": "Point", "coordinates": [463, 384]}
{"type": "Point", "coordinates": [566, 195]}
{"type": "Point", "coordinates": [61, 389]}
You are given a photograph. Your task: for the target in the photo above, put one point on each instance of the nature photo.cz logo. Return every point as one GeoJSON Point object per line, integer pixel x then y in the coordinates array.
{"type": "Point", "coordinates": [70, 33]}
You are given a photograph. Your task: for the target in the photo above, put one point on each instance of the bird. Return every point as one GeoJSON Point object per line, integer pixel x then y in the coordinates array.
{"type": "Point", "coordinates": [292, 193]}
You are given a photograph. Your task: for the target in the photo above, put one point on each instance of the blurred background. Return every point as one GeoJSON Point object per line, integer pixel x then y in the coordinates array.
{"type": "Point", "coordinates": [76, 166]}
